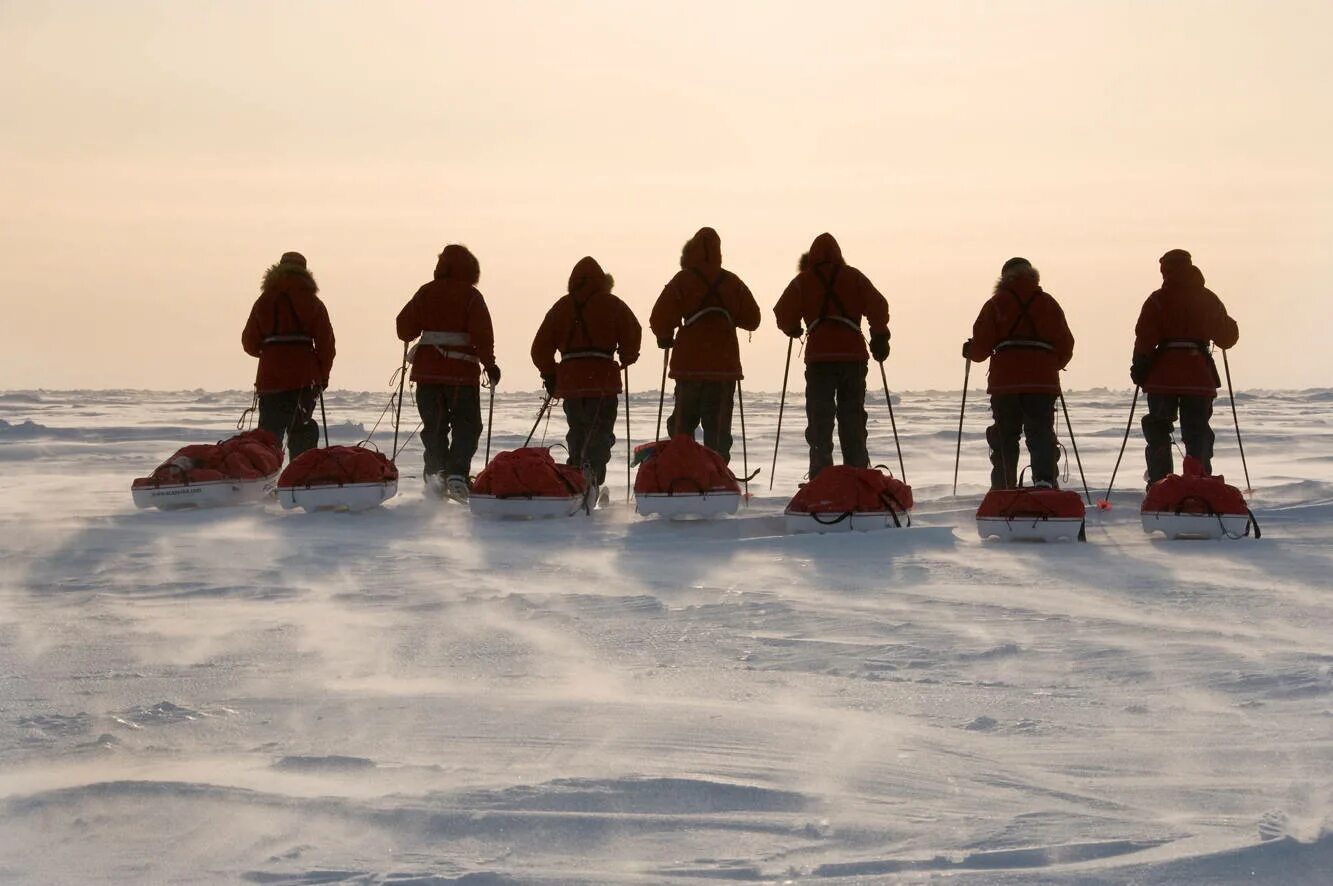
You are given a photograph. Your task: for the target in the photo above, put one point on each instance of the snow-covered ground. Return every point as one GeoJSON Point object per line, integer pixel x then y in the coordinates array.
{"type": "Point", "coordinates": [411, 696]}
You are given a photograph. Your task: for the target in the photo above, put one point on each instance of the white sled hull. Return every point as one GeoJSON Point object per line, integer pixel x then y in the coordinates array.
{"type": "Point", "coordinates": [209, 494]}
{"type": "Point", "coordinates": [348, 497]}
{"type": "Point", "coordinates": [537, 508]}
{"type": "Point", "coordinates": [1030, 528]}
{"type": "Point", "coordinates": [687, 506]}
{"type": "Point", "coordinates": [861, 521]}
{"type": "Point", "coordinates": [1195, 525]}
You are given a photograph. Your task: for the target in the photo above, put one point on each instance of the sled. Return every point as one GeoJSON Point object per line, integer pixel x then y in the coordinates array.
{"type": "Point", "coordinates": [338, 478]}
{"type": "Point", "coordinates": [681, 479]}
{"type": "Point", "coordinates": [687, 505]}
{"type": "Point", "coordinates": [515, 508]}
{"type": "Point", "coordinates": [848, 521]}
{"type": "Point", "coordinates": [527, 484]}
{"type": "Point", "coordinates": [337, 497]}
{"type": "Point", "coordinates": [1031, 514]}
{"type": "Point", "coordinates": [1196, 505]}
{"type": "Point", "coordinates": [1200, 526]}
{"type": "Point", "coordinates": [848, 499]}
{"type": "Point", "coordinates": [205, 494]}
{"type": "Point", "coordinates": [239, 470]}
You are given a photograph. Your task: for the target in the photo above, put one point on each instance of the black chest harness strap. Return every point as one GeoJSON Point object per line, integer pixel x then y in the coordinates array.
{"type": "Point", "coordinates": [1032, 343]}
{"type": "Point", "coordinates": [711, 303]}
{"type": "Point", "coordinates": [589, 351]}
{"type": "Point", "coordinates": [296, 336]}
{"type": "Point", "coordinates": [831, 300]}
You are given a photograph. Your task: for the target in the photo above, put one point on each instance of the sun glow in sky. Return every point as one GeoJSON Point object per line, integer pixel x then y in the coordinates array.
{"type": "Point", "coordinates": [159, 155]}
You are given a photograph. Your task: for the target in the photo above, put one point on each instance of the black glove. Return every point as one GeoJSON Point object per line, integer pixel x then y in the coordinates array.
{"type": "Point", "coordinates": [967, 349]}
{"type": "Point", "coordinates": [665, 341]}
{"type": "Point", "coordinates": [879, 347]}
{"type": "Point", "coordinates": [493, 373]}
{"type": "Point", "coordinates": [794, 332]}
{"type": "Point", "coordinates": [628, 361]}
{"type": "Point", "coordinates": [1138, 368]}
{"type": "Point", "coordinates": [548, 382]}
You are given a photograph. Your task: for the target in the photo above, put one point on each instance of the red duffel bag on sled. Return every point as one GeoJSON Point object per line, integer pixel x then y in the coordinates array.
{"type": "Point", "coordinates": [525, 483]}
{"type": "Point", "coordinates": [338, 478]}
{"type": "Point", "coordinates": [682, 478]}
{"type": "Point", "coordinates": [1196, 505]}
{"type": "Point", "coordinates": [1032, 513]}
{"type": "Point", "coordinates": [234, 471]}
{"type": "Point", "coordinates": [844, 498]}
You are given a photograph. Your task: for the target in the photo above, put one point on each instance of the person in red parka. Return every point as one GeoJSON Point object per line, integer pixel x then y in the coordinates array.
{"type": "Point", "coordinates": [457, 343]}
{"type": "Point", "coordinates": [586, 328]}
{"type": "Point", "coordinates": [831, 297]}
{"type": "Point", "coordinates": [707, 304]}
{"type": "Point", "coordinates": [1173, 363]}
{"type": "Point", "coordinates": [289, 331]}
{"type": "Point", "coordinates": [1022, 331]}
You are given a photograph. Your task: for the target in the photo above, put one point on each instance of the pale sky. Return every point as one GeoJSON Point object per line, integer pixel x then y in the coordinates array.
{"type": "Point", "coordinates": [159, 156]}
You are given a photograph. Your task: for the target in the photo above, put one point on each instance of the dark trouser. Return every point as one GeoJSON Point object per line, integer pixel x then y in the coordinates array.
{"type": "Point", "coordinates": [708, 403]}
{"type": "Point", "coordinates": [446, 408]}
{"type": "Point", "coordinates": [836, 391]}
{"type": "Point", "coordinates": [592, 422]}
{"type": "Point", "coordinates": [1033, 417]}
{"type": "Point", "coordinates": [1195, 413]}
{"type": "Point", "coordinates": [291, 414]}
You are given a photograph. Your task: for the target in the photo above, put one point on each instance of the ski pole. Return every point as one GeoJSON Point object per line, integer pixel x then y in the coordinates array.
{"type": "Point", "coordinates": [490, 423]}
{"type": "Point", "coordinates": [546, 404]}
{"type": "Point", "coordinates": [629, 444]}
{"type": "Point", "coordinates": [958, 452]}
{"type": "Point", "coordinates": [324, 419]}
{"type": "Point", "coordinates": [782, 404]}
{"type": "Point", "coordinates": [745, 456]}
{"type": "Point", "coordinates": [661, 395]}
{"type": "Point", "coordinates": [398, 412]}
{"type": "Point", "coordinates": [902, 471]}
{"type": "Point", "coordinates": [1236, 419]}
{"type": "Point", "coordinates": [1105, 503]}
{"type": "Point", "coordinates": [1074, 442]}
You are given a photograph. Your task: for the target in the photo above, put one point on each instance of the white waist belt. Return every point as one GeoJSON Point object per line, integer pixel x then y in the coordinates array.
{"type": "Point", "coordinates": [440, 342]}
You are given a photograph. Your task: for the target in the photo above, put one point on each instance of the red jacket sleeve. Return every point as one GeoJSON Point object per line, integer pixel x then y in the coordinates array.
{"type": "Point", "coordinates": [1146, 331]}
{"type": "Point", "coordinates": [665, 317]}
{"type": "Point", "coordinates": [480, 329]}
{"type": "Point", "coordinates": [324, 343]}
{"type": "Point", "coordinates": [409, 320]}
{"type": "Point", "coordinates": [1225, 331]}
{"type": "Point", "coordinates": [629, 333]}
{"type": "Point", "coordinates": [984, 336]}
{"type": "Point", "coordinates": [1063, 338]}
{"type": "Point", "coordinates": [544, 343]}
{"type": "Point", "coordinates": [788, 311]}
{"type": "Point", "coordinates": [252, 337]}
{"type": "Point", "coordinates": [746, 312]}
{"type": "Point", "coordinates": [876, 306]}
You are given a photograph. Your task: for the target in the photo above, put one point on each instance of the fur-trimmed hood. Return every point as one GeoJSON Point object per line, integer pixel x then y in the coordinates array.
{"type": "Point", "coordinates": [702, 251]}
{"type": "Point", "coordinates": [823, 251]}
{"type": "Point", "coordinates": [588, 279]}
{"type": "Point", "coordinates": [458, 263]}
{"type": "Point", "coordinates": [279, 275]}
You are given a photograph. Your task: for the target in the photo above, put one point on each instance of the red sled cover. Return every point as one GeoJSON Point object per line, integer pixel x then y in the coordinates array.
{"type": "Point", "coordinates": [842, 489]}
{"type": "Point", "coordinates": [681, 465]}
{"type": "Point", "coordinates": [1194, 493]}
{"type": "Point", "coordinates": [251, 455]}
{"type": "Point", "coordinates": [1031, 502]}
{"type": "Point", "coordinates": [529, 473]}
{"type": "Point", "coordinates": [338, 466]}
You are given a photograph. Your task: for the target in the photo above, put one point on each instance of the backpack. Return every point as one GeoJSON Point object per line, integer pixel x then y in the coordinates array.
{"type": "Point", "coordinates": [681, 465]}
{"type": "Point", "coordinates": [529, 472]}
